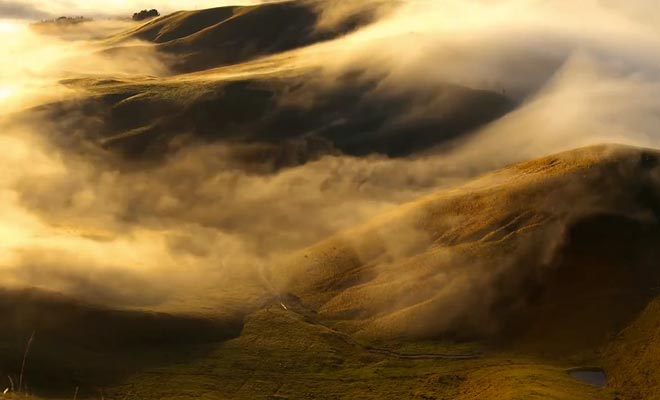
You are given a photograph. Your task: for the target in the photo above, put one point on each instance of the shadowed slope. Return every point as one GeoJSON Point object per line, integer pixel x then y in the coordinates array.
{"type": "Point", "coordinates": [292, 119]}
{"type": "Point", "coordinates": [605, 274]}
{"type": "Point", "coordinates": [81, 344]}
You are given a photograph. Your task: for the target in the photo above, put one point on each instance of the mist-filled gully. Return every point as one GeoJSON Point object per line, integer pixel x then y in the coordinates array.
{"type": "Point", "coordinates": [370, 163]}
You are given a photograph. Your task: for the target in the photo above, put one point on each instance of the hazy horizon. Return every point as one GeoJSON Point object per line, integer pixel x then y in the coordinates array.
{"type": "Point", "coordinates": [39, 10]}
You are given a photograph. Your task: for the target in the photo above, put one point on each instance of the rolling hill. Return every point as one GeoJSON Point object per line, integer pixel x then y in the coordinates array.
{"type": "Point", "coordinates": [540, 234]}
{"type": "Point", "coordinates": [250, 89]}
{"type": "Point", "coordinates": [204, 39]}
{"type": "Point", "coordinates": [493, 288]}
{"type": "Point", "coordinates": [145, 119]}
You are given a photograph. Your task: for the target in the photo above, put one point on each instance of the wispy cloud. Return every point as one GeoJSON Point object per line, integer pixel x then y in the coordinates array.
{"type": "Point", "coordinates": [21, 10]}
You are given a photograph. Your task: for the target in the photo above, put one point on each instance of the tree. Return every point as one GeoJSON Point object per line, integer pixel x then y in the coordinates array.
{"type": "Point", "coordinates": [145, 14]}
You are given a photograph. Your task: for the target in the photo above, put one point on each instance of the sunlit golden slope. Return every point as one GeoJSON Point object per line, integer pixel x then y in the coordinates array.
{"type": "Point", "coordinates": [561, 248]}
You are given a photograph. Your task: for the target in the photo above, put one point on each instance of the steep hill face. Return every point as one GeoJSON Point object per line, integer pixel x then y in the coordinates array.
{"type": "Point", "coordinates": [632, 358]}
{"type": "Point", "coordinates": [535, 249]}
{"type": "Point", "coordinates": [230, 35]}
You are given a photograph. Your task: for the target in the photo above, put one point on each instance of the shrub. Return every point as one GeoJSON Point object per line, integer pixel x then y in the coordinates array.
{"type": "Point", "coordinates": [145, 14]}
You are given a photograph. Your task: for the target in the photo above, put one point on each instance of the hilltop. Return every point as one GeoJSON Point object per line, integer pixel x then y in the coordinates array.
{"type": "Point", "coordinates": [222, 36]}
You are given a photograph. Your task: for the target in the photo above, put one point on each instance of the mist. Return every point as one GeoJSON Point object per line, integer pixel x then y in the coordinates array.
{"type": "Point", "coordinates": [32, 9]}
{"type": "Point", "coordinates": [199, 227]}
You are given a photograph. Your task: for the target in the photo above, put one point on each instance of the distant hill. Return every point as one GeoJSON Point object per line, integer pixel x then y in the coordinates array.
{"type": "Point", "coordinates": [271, 105]}
{"type": "Point", "coordinates": [55, 26]}
{"type": "Point", "coordinates": [230, 35]}
{"type": "Point", "coordinates": [141, 119]}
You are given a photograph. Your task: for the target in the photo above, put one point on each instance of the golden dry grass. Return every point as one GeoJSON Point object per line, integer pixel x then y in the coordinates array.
{"type": "Point", "coordinates": [442, 254]}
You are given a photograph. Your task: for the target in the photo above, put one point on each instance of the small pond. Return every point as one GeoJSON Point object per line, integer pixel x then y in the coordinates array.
{"type": "Point", "coordinates": [593, 376]}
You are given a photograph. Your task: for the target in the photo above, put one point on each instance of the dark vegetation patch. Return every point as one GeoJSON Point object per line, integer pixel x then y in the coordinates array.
{"type": "Point", "coordinates": [78, 344]}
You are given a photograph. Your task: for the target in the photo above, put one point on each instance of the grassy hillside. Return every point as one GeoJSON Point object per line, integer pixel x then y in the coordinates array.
{"type": "Point", "coordinates": [632, 357]}
{"type": "Point", "coordinates": [231, 35]}
{"type": "Point", "coordinates": [79, 344]}
{"type": "Point", "coordinates": [145, 118]}
{"type": "Point", "coordinates": [371, 313]}
{"type": "Point", "coordinates": [282, 355]}
{"type": "Point", "coordinates": [472, 259]}
{"type": "Point", "coordinates": [249, 90]}
{"type": "Point", "coordinates": [498, 288]}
